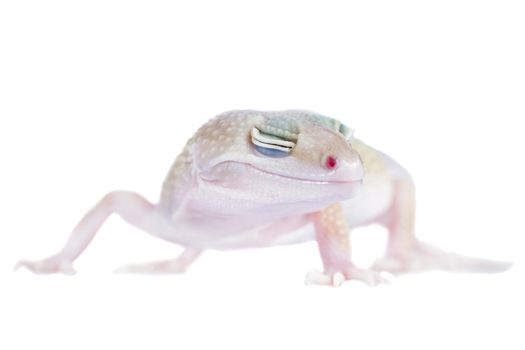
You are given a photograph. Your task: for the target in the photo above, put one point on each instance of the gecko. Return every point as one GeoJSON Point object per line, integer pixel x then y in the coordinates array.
{"type": "Point", "coordinates": [254, 179]}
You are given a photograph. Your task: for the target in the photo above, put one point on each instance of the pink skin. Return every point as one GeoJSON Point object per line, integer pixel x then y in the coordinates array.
{"type": "Point", "coordinates": [222, 194]}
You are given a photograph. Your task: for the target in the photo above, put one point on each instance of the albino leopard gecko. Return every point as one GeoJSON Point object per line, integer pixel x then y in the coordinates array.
{"type": "Point", "coordinates": [258, 179]}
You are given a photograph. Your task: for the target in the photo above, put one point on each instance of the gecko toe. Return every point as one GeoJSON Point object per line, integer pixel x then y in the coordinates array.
{"type": "Point", "coordinates": [337, 279]}
{"type": "Point", "coordinates": [317, 277]}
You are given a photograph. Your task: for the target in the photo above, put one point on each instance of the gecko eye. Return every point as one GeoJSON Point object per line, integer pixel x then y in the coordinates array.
{"type": "Point", "coordinates": [330, 162]}
{"type": "Point", "coordinates": [271, 146]}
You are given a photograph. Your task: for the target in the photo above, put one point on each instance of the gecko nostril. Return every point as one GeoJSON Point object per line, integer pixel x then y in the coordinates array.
{"type": "Point", "coordinates": [330, 162]}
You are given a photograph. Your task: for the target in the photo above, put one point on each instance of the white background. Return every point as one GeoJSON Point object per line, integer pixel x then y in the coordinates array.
{"type": "Point", "coordinates": [102, 95]}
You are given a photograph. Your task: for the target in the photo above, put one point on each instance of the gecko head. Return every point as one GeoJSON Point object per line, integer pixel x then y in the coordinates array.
{"type": "Point", "coordinates": [288, 157]}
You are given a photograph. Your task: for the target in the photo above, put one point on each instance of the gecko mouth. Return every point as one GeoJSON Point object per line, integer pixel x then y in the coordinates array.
{"type": "Point", "coordinates": [305, 180]}
{"type": "Point", "coordinates": [219, 172]}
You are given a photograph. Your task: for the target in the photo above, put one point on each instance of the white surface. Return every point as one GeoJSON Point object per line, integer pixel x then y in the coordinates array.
{"type": "Point", "coordinates": [103, 95]}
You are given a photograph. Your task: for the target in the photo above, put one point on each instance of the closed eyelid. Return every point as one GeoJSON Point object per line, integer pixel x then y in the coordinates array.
{"type": "Point", "coordinates": [270, 152]}
{"type": "Point", "coordinates": [270, 145]}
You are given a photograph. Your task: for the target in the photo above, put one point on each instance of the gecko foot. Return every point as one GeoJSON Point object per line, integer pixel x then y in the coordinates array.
{"type": "Point", "coordinates": [418, 259]}
{"type": "Point", "coordinates": [53, 264]}
{"type": "Point", "coordinates": [336, 279]}
{"type": "Point", "coordinates": [165, 267]}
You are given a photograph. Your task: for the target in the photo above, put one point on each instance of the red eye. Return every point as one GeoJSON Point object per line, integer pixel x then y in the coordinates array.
{"type": "Point", "coordinates": [331, 162]}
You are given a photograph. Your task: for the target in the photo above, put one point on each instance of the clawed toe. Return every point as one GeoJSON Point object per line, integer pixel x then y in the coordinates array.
{"type": "Point", "coordinates": [315, 277]}
{"type": "Point", "coordinates": [369, 277]}
{"type": "Point", "coordinates": [336, 279]}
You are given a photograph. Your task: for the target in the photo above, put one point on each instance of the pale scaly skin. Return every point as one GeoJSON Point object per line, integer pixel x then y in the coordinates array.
{"type": "Point", "coordinates": [221, 193]}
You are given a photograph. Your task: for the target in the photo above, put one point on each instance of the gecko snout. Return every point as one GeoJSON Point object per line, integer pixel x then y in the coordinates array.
{"type": "Point", "coordinates": [348, 169]}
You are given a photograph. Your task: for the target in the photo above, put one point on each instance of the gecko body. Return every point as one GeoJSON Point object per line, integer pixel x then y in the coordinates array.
{"type": "Point", "coordinates": [250, 179]}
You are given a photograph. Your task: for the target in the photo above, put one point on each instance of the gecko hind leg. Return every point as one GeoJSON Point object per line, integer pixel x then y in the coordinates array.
{"type": "Point", "coordinates": [425, 257]}
{"type": "Point", "coordinates": [172, 266]}
{"type": "Point", "coordinates": [132, 207]}
{"type": "Point", "coordinates": [406, 254]}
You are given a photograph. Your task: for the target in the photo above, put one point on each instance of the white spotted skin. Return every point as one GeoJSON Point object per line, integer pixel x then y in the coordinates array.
{"type": "Point", "coordinates": [222, 194]}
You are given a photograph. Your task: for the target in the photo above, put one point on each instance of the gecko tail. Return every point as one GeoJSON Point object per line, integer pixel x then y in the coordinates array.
{"type": "Point", "coordinates": [425, 257]}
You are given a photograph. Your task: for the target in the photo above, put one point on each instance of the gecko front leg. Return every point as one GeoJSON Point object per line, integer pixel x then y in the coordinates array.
{"type": "Point", "coordinates": [132, 207]}
{"type": "Point", "coordinates": [332, 236]}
